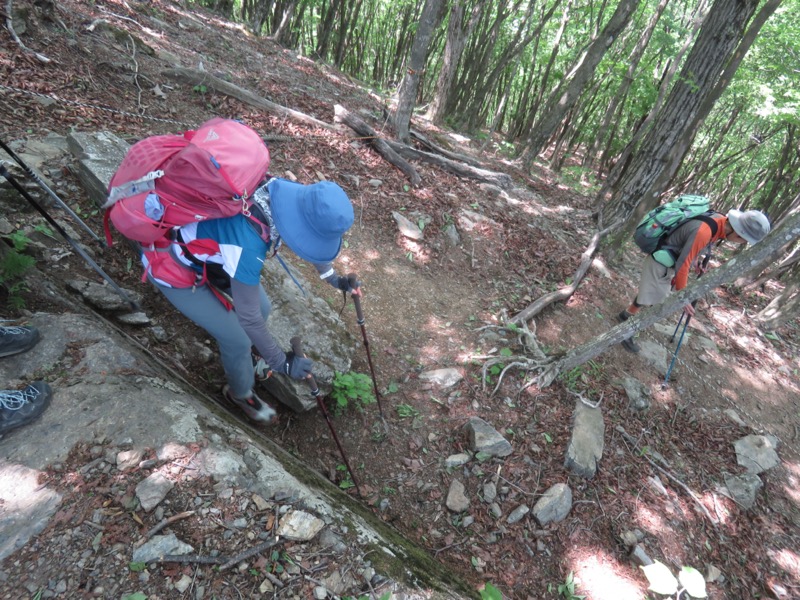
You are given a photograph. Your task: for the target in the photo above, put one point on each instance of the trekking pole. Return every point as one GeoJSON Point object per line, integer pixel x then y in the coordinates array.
{"type": "Point", "coordinates": [10, 178]}
{"type": "Point", "coordinates": [297, 348]}
{"type": "Point", "coordinates": [674, 333]}
{"type": "Point", "coordinates": [354, 283]}
{"type": "Point", "coordinates": [30, 173]}
{"type": "Point", "coordinates": [685, 325]}
{"type": "Point", "coordinates": [675, 356]}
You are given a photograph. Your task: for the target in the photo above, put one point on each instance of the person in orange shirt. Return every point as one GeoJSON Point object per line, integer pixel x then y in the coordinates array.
{"type": "Point", "coordinates": [683, 251]}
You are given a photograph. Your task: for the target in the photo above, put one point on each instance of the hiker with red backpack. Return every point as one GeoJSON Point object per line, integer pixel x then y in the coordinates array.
{"type": "Point", "coordinates": [676, 236]}
{"type": "Point", "coordinates": [207, 217]}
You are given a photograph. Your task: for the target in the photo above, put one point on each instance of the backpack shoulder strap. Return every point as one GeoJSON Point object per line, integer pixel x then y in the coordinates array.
{"type": "Point", "coordinates": [708, 219]}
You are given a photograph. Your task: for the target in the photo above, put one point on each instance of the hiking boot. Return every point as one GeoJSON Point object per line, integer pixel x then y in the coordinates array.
{"type": "Point", "coordinates": [253, 406]}
{"type": "Point", "coordinates": [14, 340]}
{"type": "Point", "coordinates": [261, 368]}
{"type": "Point", "coordinates": [19, 408]}
{"type": "Point", "coordinates": [630, 344]}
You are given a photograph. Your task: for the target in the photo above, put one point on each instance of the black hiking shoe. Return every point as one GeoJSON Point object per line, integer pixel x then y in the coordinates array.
{"type": "Point", "coordinates": [629, 344]}
{"type": "Point", "coordinates": [253, 406]}
{"type": "Point", "coordinates": [14, 340]}
{"type": "Point", "coordinates": [19, 408]}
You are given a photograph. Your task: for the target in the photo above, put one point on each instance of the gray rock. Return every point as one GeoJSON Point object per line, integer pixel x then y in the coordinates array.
{"type": "Point", "coordinates": [160, 545]}
{"type": "Point", "coordinates": [744, 489]}
{"type": "Point", "coordinates": [457, 500]}
{"type": "Point", "coordinates": [443, 377]}
{"type": "Point", "coordinates": [456, 460]}
{"type": "Point", "coordinates": [555, 505]}
{"type": "Point", "coordinates": [136, 318]}
{"type": "Point", "coordinates": [129, 459]}
{"type": "Point", "coordinates": [408, 228]}
{"type": "Point", "coordinates": [517, 514]}
{"type": "Point", "coordinates": [734, 416]}
{"type": "Point", "coordinates": [320, 592]}
{"type": "Point", "coordinates": [485, 438]}
{"type": "Point", "coordinates": [757, 453]}
{"type": "Point", "coordinates": [638, 394]}
{"type": "Point", "coordinates": [640, 557]}
{"type": "Point", "coordinates": [586, 446]}
{"type": "Point", "coordinates": [300, 526]}
{"type": "Point", "coordinates": [451, 235]}
{"type": "Point", "coordinates": [489, 492]}
{"type": "Point", "coordinates": [153, 490]}
{"type": "Point", "coordinates": [183, 583]}
{"type": "Point", "coordinates": [103, 297]}
{"type": "Point", "coordinates": [495, 509]}
{"type": "Point", "coordinates": [656, 354]}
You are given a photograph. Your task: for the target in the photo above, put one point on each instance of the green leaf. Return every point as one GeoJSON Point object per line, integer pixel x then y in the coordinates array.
{"type": "Point", "coordinates": [135, 596]}
{"type": "Point", "coordinates": [693, 581]}
{"type": "Point", "coordinates": [137, 567]}
{"type": "Point", "coordinates": [482, 456]}
{"type": "Point", "coordinates": [489, 592]}
{"type": "Point", "coordinates": [474, 561]}
{"type": "Point", "coordinates": [771, 336]}
{"type": "Point", "coordinates": [547, 437]}
{"type": "Point", "coordinates": [661, 580]}
{"type": "Point", "coordinates": [506, 352]}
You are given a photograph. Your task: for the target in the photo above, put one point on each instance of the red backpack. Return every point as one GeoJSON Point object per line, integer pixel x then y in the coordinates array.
{"type": "Point", "coordinates": [166, 181]}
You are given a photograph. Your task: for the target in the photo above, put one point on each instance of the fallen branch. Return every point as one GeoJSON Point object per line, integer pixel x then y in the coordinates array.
{"type": "Point", "coordinates": [501, 180]}
{"type": "Point", "coordinates": [163, 524]}
{"type": "Point", "coordinates": [685, 487]}
{"type": "Point", "coordinates": [425, 142]}
{"type": "Point", "coordinates": [194, 77]}
{"type": "Point", "coordinates": [342, 115]}
{"type": "Point", "coordinates": [566, 292]}
{"type": "Point", "coordinates": [248, 553]}
{"type": "Point", "coordinates": [10, 26]}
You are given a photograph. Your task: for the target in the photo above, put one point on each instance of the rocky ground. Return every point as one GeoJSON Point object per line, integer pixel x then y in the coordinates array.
{"type": "Point", "coordinates": [663, 483]}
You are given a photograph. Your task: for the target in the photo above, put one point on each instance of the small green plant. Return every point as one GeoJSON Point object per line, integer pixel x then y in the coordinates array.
{"type": "Point", "coordinates": [137, 567]}
{"type": "Point", "coordinates": [489, 592]}
{"type": "Point", "coordinates": [355, 388]}
{"type": "Point", "coordinates": [580, 378]}
{"type": "Point", "coordinates": [200, 89]}
{"type": "Point", "coordinates": [567, 589]}
{"type": "Point", "coordinates": [405, 411]}
{"type": "Point", "coordinates": [346, 482]}
{"type": "Point", "coordinates": [13, 266]}
{"type": "Point", "coordinates": [662, 581]}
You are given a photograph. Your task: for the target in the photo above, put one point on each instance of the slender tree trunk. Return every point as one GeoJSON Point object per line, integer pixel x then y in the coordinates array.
{"type": "Point", "coordinates": [555, 111]}
{"type": "Point", "coordinates": [656, 161]}
{"type": "Point", "coordinates": [429, 21]}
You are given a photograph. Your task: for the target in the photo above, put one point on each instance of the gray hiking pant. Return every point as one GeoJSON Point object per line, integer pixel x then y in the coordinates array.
{"type": "Point", "coordinates": [205, 310]}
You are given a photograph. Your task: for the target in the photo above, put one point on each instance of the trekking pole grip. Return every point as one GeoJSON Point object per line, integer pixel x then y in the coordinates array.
{"type": "Point", "coordinates": [352, 279]}
{"type": "Point", "coordinates": [297, 347]}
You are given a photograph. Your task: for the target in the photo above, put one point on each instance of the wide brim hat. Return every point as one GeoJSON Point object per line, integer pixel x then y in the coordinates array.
{"type": "Point", "coordinates": [311, 219]}
{"type": "Point", "coordinates": [751, 225]}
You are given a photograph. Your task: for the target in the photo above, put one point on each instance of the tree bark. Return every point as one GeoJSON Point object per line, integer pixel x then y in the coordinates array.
{"type": "Point", "coordinates": [407, 96]}
{"type": "Point", "coordinates": [559, 107]}
{"type": "Point", "coordinates": [662, 149]}
{"type": "Point", "coordinates": [380, 145]}
{"type": "Point", "coordinates": [752, 259]}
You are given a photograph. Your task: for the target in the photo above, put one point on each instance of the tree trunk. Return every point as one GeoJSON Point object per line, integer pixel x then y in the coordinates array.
{"type": "Point", "coordinates": [428, 22]}
{"type": "Point", "coordinates": [754, 258]}
{"type": "Point", "coordinates": [658, 158]}
{"type": "Point", "coordinates": [784, 307]}
{"type": "Point", "coordinates": [558, 108]}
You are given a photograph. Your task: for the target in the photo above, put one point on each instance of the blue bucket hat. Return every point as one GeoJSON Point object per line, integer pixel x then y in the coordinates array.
{"type": "Point", "coordinates": [311, 219]}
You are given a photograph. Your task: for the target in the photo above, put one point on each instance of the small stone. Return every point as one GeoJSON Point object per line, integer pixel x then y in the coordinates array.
{"type": "Point", "coordinates": [494, 508]}
{"type": "Point", "coordinates": [489, 492]}
{"type": "Point", "coordinates": [640, 557]}
{"type": "Point", "coordinates": [712, 573]}
{"type": "Point", "coordinates": [375, 182]}
{"type": "Point", "coordinates": [517, 514]}
{"type": "Point", "coordinates": [266, 587]}
{"type": "Point", "coordinates": [456, 460]}
{"type": "Point", "coordinates": [320, 592]}
{"type": "Point", "coordinates": [240, 523]}
{"type": "Point", "coordinates": [260, 503]}
{"type": "Point", "coordinates": [457, 500]}
{"type": "Point", "coordinates": [300, 526]}
{"type": "Point", "coordinates": [183, 583]}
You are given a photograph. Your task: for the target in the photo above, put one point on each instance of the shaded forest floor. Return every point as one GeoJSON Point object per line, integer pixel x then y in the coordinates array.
{"type": "Point", "coordinates": [431, 305]}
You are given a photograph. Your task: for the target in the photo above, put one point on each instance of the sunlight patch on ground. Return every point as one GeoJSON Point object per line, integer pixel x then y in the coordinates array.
{"type": "Point", "coordinates": [602, 577]}
{"type": "Point", "coordinates": [787, 560]}
{"type": "Point", "coordinates": [793, 488]}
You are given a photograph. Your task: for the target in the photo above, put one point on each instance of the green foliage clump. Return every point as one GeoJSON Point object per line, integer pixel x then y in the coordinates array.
{"type": "Point", "coordinates": [13, 266]}
{"type": "Point", "coordinates": [352, 388]}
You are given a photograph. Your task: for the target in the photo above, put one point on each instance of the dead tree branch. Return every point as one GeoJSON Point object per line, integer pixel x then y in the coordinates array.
{"type": "Point", "coordinates": [381, 146]}
{"type": "Point", "coordinates": [10, 26]}
{"type": "Point", "coordinates": [566, 292]}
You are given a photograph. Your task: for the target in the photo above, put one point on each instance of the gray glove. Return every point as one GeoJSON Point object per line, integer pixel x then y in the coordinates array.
{"type": "Point", "coordinates": [297, 367]}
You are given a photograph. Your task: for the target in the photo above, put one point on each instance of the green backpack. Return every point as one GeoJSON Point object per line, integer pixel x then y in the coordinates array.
{"type": "Point", "coordinates": [663, 220]}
